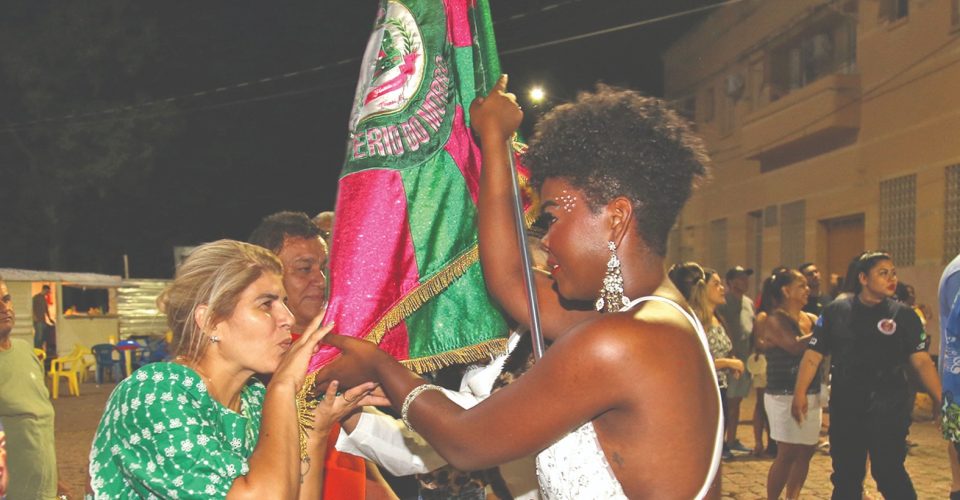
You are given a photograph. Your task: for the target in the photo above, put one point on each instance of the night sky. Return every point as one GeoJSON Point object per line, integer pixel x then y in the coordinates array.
{"type": "Point", "coordinates": [125, 177]}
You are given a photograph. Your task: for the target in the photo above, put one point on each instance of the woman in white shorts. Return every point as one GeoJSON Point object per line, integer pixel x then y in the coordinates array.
{"type": "Point", "coordinates": [784, 332]}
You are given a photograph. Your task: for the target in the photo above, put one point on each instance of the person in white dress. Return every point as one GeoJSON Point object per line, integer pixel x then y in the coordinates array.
{"type": "Point", "coordinates": [614, 169]}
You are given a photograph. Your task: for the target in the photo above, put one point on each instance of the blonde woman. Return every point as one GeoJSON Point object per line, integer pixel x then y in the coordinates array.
{"type": "Point", "coordinates": [202, 425]}
{"type": "Point", "coordinates": [704, 291]}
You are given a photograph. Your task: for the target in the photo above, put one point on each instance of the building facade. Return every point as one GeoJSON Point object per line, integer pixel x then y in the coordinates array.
{"type": "Point", "coordinates": [834, 128]}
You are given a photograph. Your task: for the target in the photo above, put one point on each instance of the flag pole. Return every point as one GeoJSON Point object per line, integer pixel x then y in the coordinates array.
{"type": "Point", "coordinates": [536, 335]}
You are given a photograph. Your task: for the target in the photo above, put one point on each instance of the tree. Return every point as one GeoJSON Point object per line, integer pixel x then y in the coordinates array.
{"type": "Point", "coordinates": [87, 59]}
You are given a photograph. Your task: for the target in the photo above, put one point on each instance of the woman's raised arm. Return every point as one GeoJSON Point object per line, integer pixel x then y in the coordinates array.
{"type": "Point", "coordinates": [495, 118]}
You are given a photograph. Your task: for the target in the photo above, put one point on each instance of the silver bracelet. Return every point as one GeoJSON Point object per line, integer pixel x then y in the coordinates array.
{"type": "Point", "coordinates": [405, 409]}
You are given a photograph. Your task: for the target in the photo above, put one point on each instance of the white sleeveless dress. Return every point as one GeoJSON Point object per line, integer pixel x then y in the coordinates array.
{"type": "Point", "coordinates": [575, 467]}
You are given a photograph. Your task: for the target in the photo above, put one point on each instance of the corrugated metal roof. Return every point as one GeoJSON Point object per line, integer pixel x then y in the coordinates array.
{"type": "Point", "coordinates": [137, 308]}
{"type": "Point", "coordinates": [83, 279]}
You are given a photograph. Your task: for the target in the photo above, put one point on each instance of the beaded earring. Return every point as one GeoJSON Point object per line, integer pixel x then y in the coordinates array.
{"type": "Point", "coordinates": [611, 294]}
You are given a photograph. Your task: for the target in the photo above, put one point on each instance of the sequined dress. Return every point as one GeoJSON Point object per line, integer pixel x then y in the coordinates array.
{"type": "Point", "coordinates": [575, 467]}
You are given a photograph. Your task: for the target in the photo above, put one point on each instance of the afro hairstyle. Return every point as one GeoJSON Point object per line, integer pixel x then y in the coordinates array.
{"type": "Point", "coordinates": [617, 142]}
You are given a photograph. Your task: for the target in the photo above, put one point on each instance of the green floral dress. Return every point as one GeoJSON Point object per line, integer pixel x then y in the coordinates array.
{"type": "Point", "coordinates": [163, 436]}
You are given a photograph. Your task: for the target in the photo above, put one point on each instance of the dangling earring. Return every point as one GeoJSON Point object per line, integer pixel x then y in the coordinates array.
{"type": "Point", "coordinates": [611, 295]}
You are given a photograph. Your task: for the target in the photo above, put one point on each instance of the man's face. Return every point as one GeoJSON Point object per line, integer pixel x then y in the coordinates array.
{"type": "Point", "coordinates": [739, 283]}
{"type": "Point", "coordinates": [303, 262]}
{"type": "Point", "coordinates": [813, 276]}
{"type": "Point", "coordinates": [7, 317]}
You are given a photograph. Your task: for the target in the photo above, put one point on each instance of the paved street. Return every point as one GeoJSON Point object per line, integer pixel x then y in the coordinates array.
{"type": "Point", "coordinates": [743, 478]}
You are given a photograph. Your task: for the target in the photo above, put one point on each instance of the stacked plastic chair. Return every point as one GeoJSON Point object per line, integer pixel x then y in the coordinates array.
{"type": "Point", "coordinates": [67, 367]}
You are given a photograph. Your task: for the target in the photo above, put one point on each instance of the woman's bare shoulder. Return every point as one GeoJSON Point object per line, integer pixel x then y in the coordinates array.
{"type": "Point", "coordinates": [643, 335]}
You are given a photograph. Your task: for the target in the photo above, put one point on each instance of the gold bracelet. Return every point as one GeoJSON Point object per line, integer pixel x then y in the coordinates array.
{"type": "Point", "coordinates": [405, 409]}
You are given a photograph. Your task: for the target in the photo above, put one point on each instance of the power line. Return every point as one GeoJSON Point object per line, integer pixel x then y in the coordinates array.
{"type": "Point", "coordinates": [167, 112]}
{"type": "Point", "coordinates": [622, 27]}
{"type": "Point", "coordinates": [184, 97]}
{"type": "Point", "coordinates": [107, 114]}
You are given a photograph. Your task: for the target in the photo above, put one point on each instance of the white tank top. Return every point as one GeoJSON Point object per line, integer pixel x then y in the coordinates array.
{"type": "Point", "coordinates": [575, 467]}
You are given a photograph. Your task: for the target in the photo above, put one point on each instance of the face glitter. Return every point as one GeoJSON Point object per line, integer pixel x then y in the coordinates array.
{"type": "Point", "coordinates": [567, 201]}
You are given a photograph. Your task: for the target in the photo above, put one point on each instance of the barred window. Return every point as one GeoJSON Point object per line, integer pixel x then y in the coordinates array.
{"type": "Point", "coordinates": [718, 244]}
{"type": "Point", "coordinates": [898, 218]}
{"type": "Point", "coordinates": [792, 228]}
{"type": "Point", "coordinates": [951, 212]}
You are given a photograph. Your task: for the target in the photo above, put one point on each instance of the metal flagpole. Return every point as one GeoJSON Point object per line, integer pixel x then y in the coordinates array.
{"type": "Point", "coordinates": [536, 334]}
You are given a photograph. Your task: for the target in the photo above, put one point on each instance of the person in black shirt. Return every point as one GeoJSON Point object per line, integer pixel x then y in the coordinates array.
{"type": "Point", "coordinates": [872, 339]}
{"type": "Point", "coordinates": [816, 301]}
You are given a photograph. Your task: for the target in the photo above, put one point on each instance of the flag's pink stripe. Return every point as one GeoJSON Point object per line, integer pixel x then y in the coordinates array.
{"type": "Point", "coordinates": [465, 153]}
{"type": "Point", "coordinates": [371, 223]}
{"type": "Point", "coordinates": [397, 340]}
{"type": "Point", "coordinates": [458, 23]}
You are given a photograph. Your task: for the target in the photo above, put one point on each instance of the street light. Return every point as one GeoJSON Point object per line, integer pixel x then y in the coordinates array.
{"type": "Point", "coordinates": [537, 95]}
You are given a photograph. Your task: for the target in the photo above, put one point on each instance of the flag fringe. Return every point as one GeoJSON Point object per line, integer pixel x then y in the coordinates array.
{"type": "Point", "coordinates": [464, 355]}
{"type": "Point", "coordinates": [306, 404]}
{"type": "Point", "coordinates": [423, 292]}
{"type": "Point", "coordinates": [533, 211]}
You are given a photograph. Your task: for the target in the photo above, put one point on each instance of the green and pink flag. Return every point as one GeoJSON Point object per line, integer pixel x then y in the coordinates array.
{"type": "Point", "coordinates": [404, 261]}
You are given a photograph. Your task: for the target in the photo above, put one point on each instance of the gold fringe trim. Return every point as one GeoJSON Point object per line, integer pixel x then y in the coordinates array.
{"type": "Point", "coordinates": [413, 300]}
{"type": "Point", "coordinates": [469, 354]}
{"type": "Point", "coordinates": [531, 213]}
{"type": "Point", "coordinates": [306, 404]}
{"type": "Point", "coordinates": [422, 293]}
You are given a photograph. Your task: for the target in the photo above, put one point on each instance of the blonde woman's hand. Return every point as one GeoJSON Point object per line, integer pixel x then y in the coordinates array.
{"type": "Point", "coordinates": [335, 407]}
{"type": "Point", "coordinates": [293, 366]}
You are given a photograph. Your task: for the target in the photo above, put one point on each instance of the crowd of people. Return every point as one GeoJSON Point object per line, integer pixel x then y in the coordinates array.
{"type": "Point", "coordinates": [863, 347]}
{"type": "Point", "coordinates": [222, 418]}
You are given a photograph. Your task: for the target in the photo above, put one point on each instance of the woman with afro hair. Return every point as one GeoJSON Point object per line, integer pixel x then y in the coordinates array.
{"type": "Point", "coordinates": [614, 169]}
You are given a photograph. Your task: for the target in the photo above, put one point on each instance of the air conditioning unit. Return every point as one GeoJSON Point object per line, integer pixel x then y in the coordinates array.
{"type": "Point", "coordinates": [734, 85]}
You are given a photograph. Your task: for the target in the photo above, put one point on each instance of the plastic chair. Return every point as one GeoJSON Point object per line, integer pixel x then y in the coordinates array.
{"type": "Point", "coordinates": [40, 354]}
{"type": "Point", "coordinates": [86, 363]}
{"type": "Point", "coordinates": [106, 362]}
{"type": "Point", "coordinates": [67, 367]}
{"type": "Point", "coordinates": [153, 351]}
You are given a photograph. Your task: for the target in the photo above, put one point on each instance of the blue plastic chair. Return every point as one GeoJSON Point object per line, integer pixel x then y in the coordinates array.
{"type": "Point", "coordinates": [155, 351]}
{"type": "Point", "coordinates": [107, 363]}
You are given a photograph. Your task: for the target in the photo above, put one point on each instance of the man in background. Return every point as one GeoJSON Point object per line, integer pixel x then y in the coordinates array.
{"type": "Point", "coordinates": [738, 314]}
{"type": "Point", "coordinates": [299, 244]}
{"type": "Point", "coordinates": [26, 413]}
{"type": "Point", "coordinates": [41, 316]}
{"type": "Point", "coordinates": [297, 241]}
{"type": "Point", "coordinates": [817, 298]}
